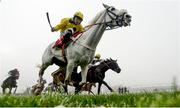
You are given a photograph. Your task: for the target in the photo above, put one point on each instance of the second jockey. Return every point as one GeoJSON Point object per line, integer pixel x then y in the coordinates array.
{"type": "Point", "coordinates": [96, 61]}
{"type": "Point", "coordinates": [68, 26]}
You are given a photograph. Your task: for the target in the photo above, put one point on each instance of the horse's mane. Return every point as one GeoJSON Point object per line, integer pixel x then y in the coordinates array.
{"type": "Point", "coordinates": [94, 20]}
{"type": "Point", "coordinates": [108, 60]}
{"type": "Point", "coordinates": [104, 61]}
{"type": "Point", "coordinates": [122, 11]}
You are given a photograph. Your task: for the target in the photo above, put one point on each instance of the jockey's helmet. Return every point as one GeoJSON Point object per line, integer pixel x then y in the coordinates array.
{"type": "Point", "coordinates": [98, 56]}
{"type": "Point", "coordinates": [79, 14]}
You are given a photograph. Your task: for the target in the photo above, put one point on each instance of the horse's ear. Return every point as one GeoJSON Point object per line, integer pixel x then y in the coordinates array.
{"type": "Point", "coordinates": [116, 60]}
{"type": "Point", "coordinates": [110, 58]}
{"type": "Point", "coordinates": [106, 60]}
{"type": "Point", "coordinates": [106, 6]}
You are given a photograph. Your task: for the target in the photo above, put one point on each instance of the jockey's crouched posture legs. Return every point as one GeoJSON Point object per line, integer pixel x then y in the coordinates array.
{"type": "Point", "coordinates": [68, 33]}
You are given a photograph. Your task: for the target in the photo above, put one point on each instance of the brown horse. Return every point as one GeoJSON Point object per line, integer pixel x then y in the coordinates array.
{"type": "Point", "coordinates": [38, 88]}
{"type": "Point", "coordinates": [95, 75]}
{"type": "Point", "coordinates": [88, 87]}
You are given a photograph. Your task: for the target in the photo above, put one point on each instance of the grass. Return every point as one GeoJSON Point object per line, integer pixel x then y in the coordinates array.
{"type": "Point", "coordinates": [164, 99]}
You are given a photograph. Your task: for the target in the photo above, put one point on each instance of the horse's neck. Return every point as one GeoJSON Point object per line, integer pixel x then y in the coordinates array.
{"type": "Point", "coordinates": [94, 34]}
{"type": "Point", "coordinates": [10, 78]}
{"type": "Point", "coordinates": [103, 67]}
{"type": "Point", "coordinates": [13, 77]}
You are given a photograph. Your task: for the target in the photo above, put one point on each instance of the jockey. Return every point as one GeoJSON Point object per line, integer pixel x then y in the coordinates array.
{"type": "Point", "coordinates": [68, 26]}
{"type": "Point", "coordinates": [96, 61]}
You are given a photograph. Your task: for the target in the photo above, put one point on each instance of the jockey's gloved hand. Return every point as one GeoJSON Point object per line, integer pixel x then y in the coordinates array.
{"type": "Point", "coordinates": [53, 29]}
{"type": "Point", "coordinates": [70, 30]}
{"type": "Point", "coordinates": [74, 29]}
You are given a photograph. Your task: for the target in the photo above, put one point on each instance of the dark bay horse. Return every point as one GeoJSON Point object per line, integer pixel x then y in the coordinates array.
{"type": "Point", "coordinates": [10, 83]}
{"type": "Point", "coordinates": [95, 74]}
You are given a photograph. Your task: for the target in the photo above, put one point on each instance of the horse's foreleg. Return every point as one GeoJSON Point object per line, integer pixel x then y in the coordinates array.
{"type": "Point", "coordinates": [107, 86]}
{"type": "Point", "coordinates": [42, 69]}
{"type": "Point", "coordinates": [83, 74]}
{"type": "Point", "coordinates": [91, 92]}
{"type": "Point", "coordinates": [10, 89]}
{"type": "Point", "coordinates": [69, 70]}
{"type": "Point", "coordinates": [15, 90]}
{"type": "Point", "coordinates": [99, 87]}
{"type": "Point", "coordinates": [4, 90]}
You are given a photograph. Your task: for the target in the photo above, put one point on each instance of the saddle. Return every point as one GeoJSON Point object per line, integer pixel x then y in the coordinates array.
{"type": "Point", "coordinates": [59, 43]}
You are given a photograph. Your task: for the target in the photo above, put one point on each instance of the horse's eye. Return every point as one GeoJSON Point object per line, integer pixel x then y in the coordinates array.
{"type": "Point", "coordinates": [112, 9]}
{"type": "Point", "coordinates": [127, 16]}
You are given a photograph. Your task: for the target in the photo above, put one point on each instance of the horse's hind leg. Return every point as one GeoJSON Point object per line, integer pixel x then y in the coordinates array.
{"type": "Point", "coordinates": [99, 87]}
{"type": "Point", "coordinates": [107, 86]}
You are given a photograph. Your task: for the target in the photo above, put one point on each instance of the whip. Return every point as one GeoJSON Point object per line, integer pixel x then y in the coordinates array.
{"type": "Point", "coordinates": [47, 14]}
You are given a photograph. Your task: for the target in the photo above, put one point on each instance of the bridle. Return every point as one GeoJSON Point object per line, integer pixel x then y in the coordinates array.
{"type": "Point", "coordinates": [106, 23]}
{"type": "Point", "coordinates": [113, 19]}
{"type": "Point", "coordinates": [107, 64]}
{"type": "Point", "coordinates": [116, 19]}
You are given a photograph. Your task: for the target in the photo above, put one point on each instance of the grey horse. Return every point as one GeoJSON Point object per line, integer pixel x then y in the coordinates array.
{"type": "Point", "coordinates": [81, 51]}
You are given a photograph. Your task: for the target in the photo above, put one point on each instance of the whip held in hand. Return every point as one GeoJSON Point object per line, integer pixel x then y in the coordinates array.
{"type": "Point", "coordinates": [47, 14]}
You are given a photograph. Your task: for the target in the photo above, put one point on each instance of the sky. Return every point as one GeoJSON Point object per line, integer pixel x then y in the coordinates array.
{"type": "Point", "coordinates": [147, 51]}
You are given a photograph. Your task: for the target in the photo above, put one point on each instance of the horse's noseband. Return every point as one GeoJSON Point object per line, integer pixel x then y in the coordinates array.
{"type": "Point", "coordinates": [118, 19]}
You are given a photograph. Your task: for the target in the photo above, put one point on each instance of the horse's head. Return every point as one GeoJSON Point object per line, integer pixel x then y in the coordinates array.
{"type": "Point", "coordinates": [16, 75]}
{"type": "Point", "coordinates": [116, 18]}
{"type": "Point", "coordinates": [113, 65]}
{"type": "Point", "coordinates": [43, 81]}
